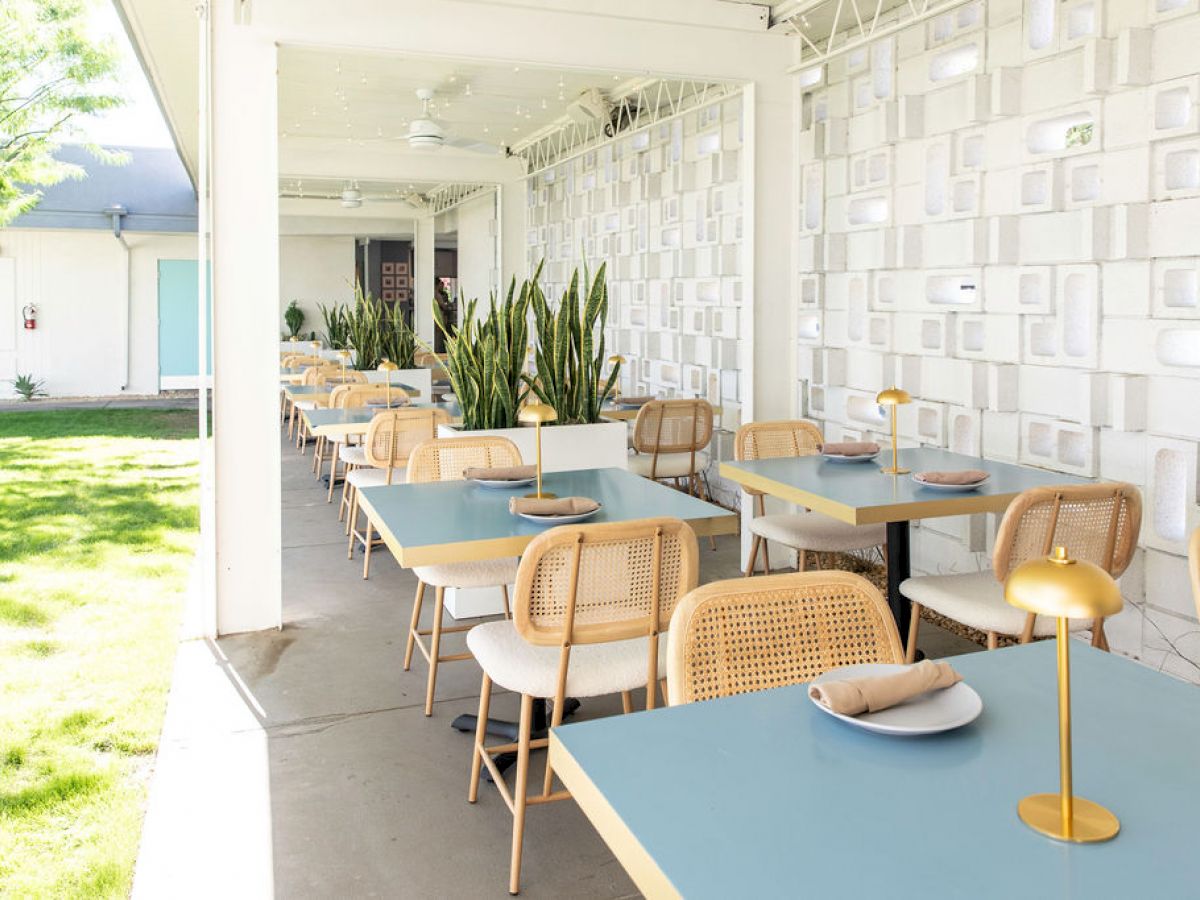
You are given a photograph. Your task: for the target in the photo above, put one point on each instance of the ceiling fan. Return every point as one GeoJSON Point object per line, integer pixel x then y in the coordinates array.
{"type": "Point", "coordinates": [352, 197]}
{"type": "Point", "coordinates": [427, 135]}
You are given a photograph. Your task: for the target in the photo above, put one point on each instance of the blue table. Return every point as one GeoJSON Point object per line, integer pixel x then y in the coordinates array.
{"type": "Point", "coordinates": [860, 494]}
{"type": "Point", "coordinates": [323, 421]}
{"type": "Point", "coordinates": [762, 795]}
{"type": "Point", "coordinates": [456, 521]}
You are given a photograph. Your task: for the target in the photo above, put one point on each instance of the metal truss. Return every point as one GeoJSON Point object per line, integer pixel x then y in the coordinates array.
{"type": "Point", "coordinates": [640, 106]}
{"type": "Point", "coordinates": [447, 196]}
{"type": "Point", "coordinates": [830, 28]}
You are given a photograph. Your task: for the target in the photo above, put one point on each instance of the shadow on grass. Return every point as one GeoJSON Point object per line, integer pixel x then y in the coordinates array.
{"type": "Point", "coordinates": [161, 424]}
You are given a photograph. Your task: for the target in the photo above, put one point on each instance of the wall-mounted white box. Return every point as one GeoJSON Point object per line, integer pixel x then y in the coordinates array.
{"type": "Point", "coordinates": [1177, 169]}
{"type": "Point", "coordinates": [1177, 287]}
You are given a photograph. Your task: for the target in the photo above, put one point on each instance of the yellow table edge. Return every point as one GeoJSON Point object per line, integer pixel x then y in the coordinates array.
{"type": "Point", "coordinates": [633, 857]}
{"type": "Point", "coordinates": [500, 548]}
{"type": "Point", "coordinates": [950, 505]}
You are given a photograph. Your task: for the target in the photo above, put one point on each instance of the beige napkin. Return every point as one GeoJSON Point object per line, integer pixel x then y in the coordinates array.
{"type": "Point", "coordinates": [858, 695]}
{"type": "Point", "coordinates": [500, 473]}
{"type": "Point", "coordinates": [964, 476]}
{"type": "Point", "coordinates": [632, 401]}
{"type": "Point", "coordinates": [851, 448]}
{"type": "Point", "coordinates": [560, 506]}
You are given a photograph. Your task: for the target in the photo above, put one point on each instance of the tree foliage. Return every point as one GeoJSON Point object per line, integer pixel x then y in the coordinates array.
{"type": "Point", "coordinates": [51, 70]}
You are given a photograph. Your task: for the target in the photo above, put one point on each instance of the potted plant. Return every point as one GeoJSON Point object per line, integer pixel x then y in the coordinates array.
{"type": "Point", "coordinates": [486, 361]}
{"type": "Point", "coordinates": [293, 317]}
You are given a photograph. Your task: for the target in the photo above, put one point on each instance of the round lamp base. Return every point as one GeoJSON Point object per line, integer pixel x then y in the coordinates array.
{"type": "Point", "coordinates": [544, 495]}
{"type": "Point", "coordinates": [1092, 822]}
{"type": "Point", "coordinates": [892, 470]}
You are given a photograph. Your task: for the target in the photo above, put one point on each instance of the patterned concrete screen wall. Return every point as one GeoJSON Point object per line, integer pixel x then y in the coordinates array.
{"type": "Point", "coordinates": [999, 210]}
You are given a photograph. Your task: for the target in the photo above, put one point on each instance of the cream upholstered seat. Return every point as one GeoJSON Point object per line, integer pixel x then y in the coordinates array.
{"type": "Point", "coordinates": [524, 668]}
{"type": "Point", "coordinates": [591, 604]}
{"type": "Point", "coordinates": [352, 454]}
{"type": "Point", "coordinates": [1095, 522]}
{"type": "Point", "coordinates": [446, 460]}
{"type": "Point", "coordinates": [813, 531]}
{"type": "Point", "coordinates": [369, 476]}
{"type": "Point", "coordinates": [391, 437]}
{"type": "Point", "coordinates": [804, 532]}
{"type": "Point", "coordinates": [350, 395]}
{"type": "Point", "coordinates": [668, 465]}
{"type": "Point", "coordinates": [737, 636]}
{"type": "Point", "coordinates": [479, 573]}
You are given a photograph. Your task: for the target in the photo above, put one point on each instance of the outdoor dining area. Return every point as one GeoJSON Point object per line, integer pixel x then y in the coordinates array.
{"type": "Point", "coordinates": [726, 736]}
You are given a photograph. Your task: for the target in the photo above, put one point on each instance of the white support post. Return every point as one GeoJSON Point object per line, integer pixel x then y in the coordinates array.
{"type": "Point", "coordinates": [423, 274]}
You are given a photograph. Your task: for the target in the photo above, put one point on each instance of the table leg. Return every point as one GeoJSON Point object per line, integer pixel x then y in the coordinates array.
{"type": "Point", "coordinates": [897, 571]}
{"type": "Point", "coordinates": [510, 731]}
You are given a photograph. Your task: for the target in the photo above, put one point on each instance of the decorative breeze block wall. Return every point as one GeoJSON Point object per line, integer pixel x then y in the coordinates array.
{"type": "Point", "coordinates": [663, 206]}
{"type": "Point", "coordinates": [999, 210]}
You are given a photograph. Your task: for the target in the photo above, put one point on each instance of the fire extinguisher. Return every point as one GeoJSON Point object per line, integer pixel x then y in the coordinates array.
{"type": "Point", "coordinates": [29, 312]}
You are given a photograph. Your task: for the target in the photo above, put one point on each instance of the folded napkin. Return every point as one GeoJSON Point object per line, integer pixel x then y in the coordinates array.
{"type": "Point", "coordinates": [963, 476]}
{"type": "Point", "coordinates": [851, 448]}
{"type": "Point", "coordinates": [500, 473]}
{"type": "Point", "coordinates": [633, 401]}
{"type": "Point", "coordinates": [560, 506]}
{"type": "Point", "coordinates": [858, 695]}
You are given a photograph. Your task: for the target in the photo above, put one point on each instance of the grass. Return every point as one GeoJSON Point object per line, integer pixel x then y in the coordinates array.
{"type": "Point", "coordinates": [98, 511]}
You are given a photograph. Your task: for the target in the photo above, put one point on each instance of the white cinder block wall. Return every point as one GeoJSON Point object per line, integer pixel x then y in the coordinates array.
{"type": "Point", "coordinates": [315, 269]}
{"type": "Point", "coordinates": [999, 210]}
{"type": "Point", "coordinates": [664, 207]}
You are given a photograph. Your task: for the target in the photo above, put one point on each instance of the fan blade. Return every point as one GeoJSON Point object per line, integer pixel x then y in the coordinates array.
{"type": "Point", "coordinates": [474, 146]}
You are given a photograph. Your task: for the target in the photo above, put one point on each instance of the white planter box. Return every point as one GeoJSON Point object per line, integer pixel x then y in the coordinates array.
{"type": "Point", "coordinates": [564, 447]}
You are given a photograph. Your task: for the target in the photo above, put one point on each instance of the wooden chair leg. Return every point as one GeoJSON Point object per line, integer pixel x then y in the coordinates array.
{"type": "Point", "coordinates": [485, 699]}
{"type": "Point", "coordinates": [766, 548]}
{"type": "Point", "coordinates": [435, 649]}
{"type": "Point", "coordinates": [507, 609]}
{"type": "Point", "coordinates": [519, 793]}
{"type": "Point", "coordinates": [626, 702]}
{"type": "Point", "coordinates": [413, 625]}
{"type": "Point", "coordinates": [801, 560]}
{"type": "Point", "coordinates": [317, 452]}
{"type": "Point", "coordinates": [914, 626]}
{"type": "Point", "coordinates": [753, 556]}
{"type": "Point", "coordinates": [367, 542]}
{"type": "Point", "coordinates": [350, 525]}
{"type": "Point", "coordinates": [1099, 638]}
{"type": "Point", "coordinates": [993, 640]}
{"type": "Point", "coordinates": [347, 497]}
{"type": "Point", "coordinates": [1027, 629]}
{"type": "Point", "coordinates": [333, 464]}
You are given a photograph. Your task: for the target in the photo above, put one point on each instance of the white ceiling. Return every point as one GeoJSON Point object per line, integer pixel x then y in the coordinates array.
{"type": "Point", "coordinates": [370, 98]}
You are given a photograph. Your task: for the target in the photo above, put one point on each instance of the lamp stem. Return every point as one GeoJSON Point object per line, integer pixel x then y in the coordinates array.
{"type": "Point", "coordinates": [895, 457]}
{"type": "Point", "coordinates": [538, 436]}
{"type": "Point", "coordinates": [1067, 798]}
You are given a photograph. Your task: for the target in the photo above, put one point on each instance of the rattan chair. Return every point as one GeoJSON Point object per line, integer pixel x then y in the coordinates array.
{"type": "Point", "coordinates": [591, 602]}
{"type": "Point", "coordinates": [738, 636]}
{"type": "Point", "coordinates": [1194, 567]}
{"type": "Point", "coordinates": [390, 439]}
{"type": "Point", "coordinates": [670, 438]}
{"type": "Point", "coordinates": [314, 376]}
{"type": "Point", "coordinates": [342, 448]}
{"type": "Point", "coordinates": [806, 532]}
{"type": "Point", "coordinates": [446, 460]}
{"type": "Point", "coordinates": [1095, 522]}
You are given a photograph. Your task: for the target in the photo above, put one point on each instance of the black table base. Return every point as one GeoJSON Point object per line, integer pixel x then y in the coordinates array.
{"type": "Point", "coordinates": [898, 561]}
{"type": "Point", "coordinates": [511, 731]}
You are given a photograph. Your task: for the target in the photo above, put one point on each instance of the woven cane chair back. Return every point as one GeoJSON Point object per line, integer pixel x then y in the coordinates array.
{"type": "Point", "coordinates": [356, 396]}
{"type": "Point", "coordinates": [1194, 567]}
{"type": "Point", "coordinates": [673, 426]}
{"type": "Point", "coordinates": [447, 458]}
{"type": "Point", "coordinates": [771, 440]}
{"type": "Point", "coordinates": [295, 360]}
{"type": "Point", "coordinates": [334, 376]}
{"type": "Point", "coordinates": [743, 635]}
{"type": "Point", "coordinates": [394, 434]}
{"type": "Point", "coordinates": [316, 375]}
{"type": "Point", "coordinates": [1096, 522]}
{"type": "Point", "coordinates": [586, 584]}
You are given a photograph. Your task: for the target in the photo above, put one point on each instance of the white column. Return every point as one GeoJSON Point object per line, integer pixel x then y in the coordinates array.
{"type": "Point", "coordinates": [423, 273]}
{"type": "Point", "coordinates": [245, 260]}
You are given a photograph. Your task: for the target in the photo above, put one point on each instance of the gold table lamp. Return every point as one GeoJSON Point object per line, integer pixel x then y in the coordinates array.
{"type": "Point", "coordinates": [316, 346]}
{"type": "Point", "coordinates": [343, 355]}
{"type": "Point", "coordinates": [387, 366]}
{"type": "Point", "coordinates": [893, 397]}
{"type": "Point", "coordinates": [1066, 589]}
{"type": "Point", "coordinates": [537, 413]}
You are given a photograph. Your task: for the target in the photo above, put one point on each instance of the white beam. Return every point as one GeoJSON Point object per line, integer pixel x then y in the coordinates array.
{"type": "Point", "coordinates": [423, 273]}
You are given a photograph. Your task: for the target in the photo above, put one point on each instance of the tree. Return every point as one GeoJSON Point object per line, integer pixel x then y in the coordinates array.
{"type": "Point", "coordinates": [50, 71]}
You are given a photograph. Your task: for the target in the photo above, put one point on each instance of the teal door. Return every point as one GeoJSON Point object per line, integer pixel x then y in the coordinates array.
{"type": "Point", "coordinates": [178, 354]}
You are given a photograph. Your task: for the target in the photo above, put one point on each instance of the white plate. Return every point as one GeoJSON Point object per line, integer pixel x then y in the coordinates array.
{"type": "Point", "coordinates": [500, 485]}
{"type": "Point", "coordinates": [559, 520]}
{"type": "Point", "coordinates": [928, 713]}
{"type": "Point", "coordinates": [865, 457]}
{"type": "Point", "coordinates": [951, 488]}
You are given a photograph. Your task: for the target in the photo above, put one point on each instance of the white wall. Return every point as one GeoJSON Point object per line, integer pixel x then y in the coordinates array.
{"type": "Point", "coordinates": [315, 270]}
{"type": "Point", "coordinates": [76, 279]}
{"type": "Point", "coordinates": [477, 234]}
{"type": "Point", "coordinates": [1039, 301]}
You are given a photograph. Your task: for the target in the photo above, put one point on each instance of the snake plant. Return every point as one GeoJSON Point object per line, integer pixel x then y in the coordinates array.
{"type": "Point", "coordinates": [335, 325]}
{"type": "Point", "coordinates": [570, 353]}
{"type": "Point", "coordinates": [486, 358]}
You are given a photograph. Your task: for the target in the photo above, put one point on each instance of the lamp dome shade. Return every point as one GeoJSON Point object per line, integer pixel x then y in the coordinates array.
{"type": "Point", "coordinates": [535, 413]}
{"type": "Point", "coordinates": [1062, 587]}
{"type": "Point", "coordinates": [893, 396]}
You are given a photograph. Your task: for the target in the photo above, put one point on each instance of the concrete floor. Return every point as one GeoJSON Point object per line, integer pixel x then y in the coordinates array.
{"type": "Point", "coordinates": [299, 763]}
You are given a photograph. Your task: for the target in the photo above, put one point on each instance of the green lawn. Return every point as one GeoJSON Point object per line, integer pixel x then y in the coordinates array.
{"type": "Point", "coordinates": [98, 512]}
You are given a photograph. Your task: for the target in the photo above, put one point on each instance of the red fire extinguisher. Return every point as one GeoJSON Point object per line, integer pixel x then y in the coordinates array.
{"type": "Point", "coordinates": [29, 311]}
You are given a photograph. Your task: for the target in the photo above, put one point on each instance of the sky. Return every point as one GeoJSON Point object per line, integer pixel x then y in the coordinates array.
{"type": "Point", "coordinates": [139, 123]}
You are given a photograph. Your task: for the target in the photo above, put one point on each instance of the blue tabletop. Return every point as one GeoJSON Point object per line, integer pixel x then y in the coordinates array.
{"type": "Point", "coordinates": [860, 493]}
{"type": "Point", "coordinates": [307, 390]}
{"type": "Point", "coordinates": [457, 521]}
{"type": "Point", "coordinates": [325, 419]}
{"type": "Point", "coordinates": [762, 795]}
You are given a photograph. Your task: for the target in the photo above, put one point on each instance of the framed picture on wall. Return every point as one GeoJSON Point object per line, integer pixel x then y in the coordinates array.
{"type": "Point", "coordinates": [389, 281]}
{"type": "Point", "coordinates": [389, 268]}
{"type": "Point", "coordinates": [401, 268]}
{"type": "Point", "coordinates": [389, 296]}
